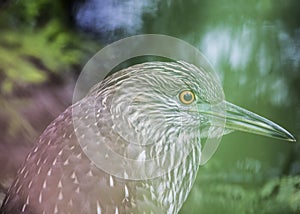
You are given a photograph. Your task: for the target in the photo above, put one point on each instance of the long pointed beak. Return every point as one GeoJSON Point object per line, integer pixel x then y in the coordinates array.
{"type": "Point", "coordinates": [241, 119]}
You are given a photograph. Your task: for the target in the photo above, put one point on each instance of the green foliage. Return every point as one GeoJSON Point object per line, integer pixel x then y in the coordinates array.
{"type": "Point", "coordinates": [36, 40]}
{"type": "Point", "coordinates": [33, 13]}
{"type": "Point", "coordinates": [282, 195]}
{"type": "Point", "coordinates": [32, 9]}
{"type": "Point", "coordinates": [28, 56]}
{"type": "Point", "coordinates": [278, 195]}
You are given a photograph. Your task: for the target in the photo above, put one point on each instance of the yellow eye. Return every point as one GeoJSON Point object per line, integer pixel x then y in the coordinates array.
{"type": "Point", "coordinates": [186, 97]}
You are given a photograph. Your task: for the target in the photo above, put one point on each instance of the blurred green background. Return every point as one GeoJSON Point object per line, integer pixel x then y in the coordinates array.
{"type": "Point", "coordinates": [254, 46]}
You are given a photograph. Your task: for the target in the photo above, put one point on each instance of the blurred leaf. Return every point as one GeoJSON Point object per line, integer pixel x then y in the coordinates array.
{"type": "Point", "coordinates": [17, 124]}
{"type": "Point", "coordinates": [7, 86]}
{"type": "Point", "coordinates": [28, 57]}
{"type": "Point", "coordinates": [27, 74]}
{"type": "Point", "coordinates": [282, 195]}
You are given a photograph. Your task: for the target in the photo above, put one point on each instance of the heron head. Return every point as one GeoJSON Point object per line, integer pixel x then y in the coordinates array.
{"type": "Point", "coordinates": [162, 98]}
{"type": "Point", "coordinates": [160, 102]}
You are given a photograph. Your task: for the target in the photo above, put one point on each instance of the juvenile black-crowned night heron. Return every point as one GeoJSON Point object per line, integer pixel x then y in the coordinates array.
{"type": "Point", "coordinates": [154, 107]}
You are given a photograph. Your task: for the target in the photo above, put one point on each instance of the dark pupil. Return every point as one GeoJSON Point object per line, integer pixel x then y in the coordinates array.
{"type": "Point", "coordinates": [187, 97]}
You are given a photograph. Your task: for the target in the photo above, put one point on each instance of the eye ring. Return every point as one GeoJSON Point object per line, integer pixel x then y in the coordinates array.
{"type": "Point", "coordinates": [186, 97]}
